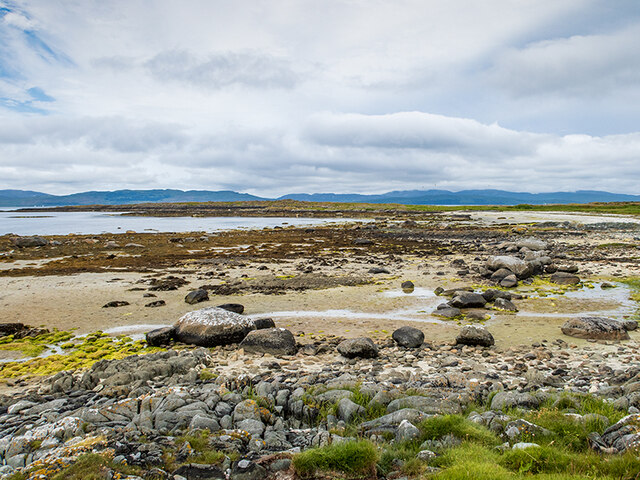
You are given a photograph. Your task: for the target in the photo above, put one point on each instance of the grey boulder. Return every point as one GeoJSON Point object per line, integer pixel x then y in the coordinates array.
{"type": "Point", "coordinates": [467, 300]}
{"type": "Point", "coordinates": [564, 278]}
{"type": "Point", "coordinates": [516, 265]}
{"type": "Point", "coordinates": [276, 341]}
{"type": "Point", "coordinates": [362, 347]}
{"type": "Point", "coordinates": [161, 336]}
{"type": "Point", "coordinates": [24, 242]}
{"type": "Point", "coordinates": [475, 335]}
{"type": "Point", "coordinates": [209, 327]}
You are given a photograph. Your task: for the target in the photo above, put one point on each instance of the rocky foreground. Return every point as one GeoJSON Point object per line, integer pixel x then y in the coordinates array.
{"type": "Point", "coordinates": [165, 414]}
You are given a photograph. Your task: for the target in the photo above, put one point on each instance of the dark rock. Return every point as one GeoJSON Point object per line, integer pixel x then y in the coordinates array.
{"type": "Point", "coordinates": [564, 278]}
{"type": "Point", "coordinates": [25, 242]}
{"type": "Point", "coordinates": [196, 471]}
{"type": "Point", "coordinates": [475, 335]}
{"type": "Point", "coordinates": [568, 268]}
{"type": "Point", "coordinates": [491, 294]}
{"type": "Point", "coordinates": [509, 281]}
{"type": "Point", "coordinates": [500, 275]}
{"type": "Point", "coordinates": [629, 325]}
{"type": "Point", "coordinates": [377, 270]}
{"type": "Point", "coordinates": [196, 296]}
{"type": "Point", "coordinates": [232, 307]}
{"type": "Point", "coordinates": [362, 241]}
{"type": "Point", "coordinates": [623, 435]}
{"type": "Point", "coordinates": [276, 341]}
{"type": "Point", "coordinates": [157, 303]}
{"type": "Point", "coordinates": [348, 410]}
{"type": "Point", "coordinates": [597, 328]}
{"type": "Point", "coordinates": [248, 470]}
{"type": "Point", "coordinates": [20, 330]}
{"type": "Point", "coordinates": [212, 326]}
{"type": "Point", "coordinates": [504, 304]}
{"type": "Point", "coordinates": [115, 303]}
{"type": "Point", "coordinates": [358, 347]}
{"type": "Point", "coordinates": [468, 300]}
{"type": "Point", "coordinates": [161, 336]}
{"type": "Point", "coordinates": [261, 323]}
{"type": "Point", "coordinates": [408, 337]}
{"type": "Point", "coordinates": [407, 286]}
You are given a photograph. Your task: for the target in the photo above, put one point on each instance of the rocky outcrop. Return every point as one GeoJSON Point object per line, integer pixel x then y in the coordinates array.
{"type": "Point", "coordinates": [26, 242]}
{"type": "Point", "coordinates": [212, 326]}
{"type": "Point", "coordinates": [595, 328]}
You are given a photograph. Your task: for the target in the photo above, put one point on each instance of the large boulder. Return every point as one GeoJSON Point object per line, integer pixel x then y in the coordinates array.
{"type": "Point", "coordinates": [358, 347]}
{"type": "Point", "coordinates": [276, 341]}
{"type": "Point", "coordinates": [516, 265]}
{"type": "Point", "coordinates": [506, 400]}
{"type": "Point", "coordinates": [475, 335]}
{"type": "Point", "coordinates": [232, 307]}
{"type": "Point", "coordinates": [24, 242]}
{"type": "Point", "coordinates": [595, 328]}
{"type": "Point", "coordinates": [468, 300]}
{"type": "Point", "coordinates": [213, 326]}
{"type": "Point", "coordinates": [409, 337]}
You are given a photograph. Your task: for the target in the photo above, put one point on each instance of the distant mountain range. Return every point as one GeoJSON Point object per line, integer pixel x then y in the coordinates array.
{"type": "Point", "coordinates": [24, 198]}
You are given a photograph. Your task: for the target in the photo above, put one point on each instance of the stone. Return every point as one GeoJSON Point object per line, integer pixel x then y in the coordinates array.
{"type": "Point", "coordinates": [491, 294]}
{"type": "Point", "coordinates": [115, 304]}
{"type": "Point", "coordinates": [276, 341]}
{"type": "Point", "coordinates": [428, 405]}
{"type": "Point", "coordinates": [348, 410]}
{"type": "Point", "coordinates": [254, 427]}
{"type": "Point", "coordinates": [467, 300]}
{"type": "Point", "coordinates": [623, 435]}
{"type": "Point", "coordinates": [516, 265]}
{"type": "Point", "coordinates": [534, 244]}
{"type": "Point", "coordinates": [362, 347]}
{"type": "Point", "coordinates": [196, 296]}
{"type": "Point", "coordinates": [261, 323]}
{"type": "Point", "coordinates": [209, 327]}
{"type": "Point", "coordinates": [447, 312]}
{"type": "Point", "coordinates": [232, 307]}
{"type": "Point", "coordinates": [524, 446]}
{"type": "Point", "coordinates": [408, 286]}
{"type": "Point", "coordinates": [379, 270]}
{"type": "Point", "coordinates": [161, 336]}
{"type": "Point", "coordinates": [26, 242]}
{"type": "Point", "coordinates": [204, 422]}
{"type": "Point", "coordinates": [475, 335]}
{"type": "Point", "coordinates": [196, 471]}
{"type": "Point", "coordinates": [248, 470]}
{"type": "Point", "coordinates": [504, 304]}
{"type": "Point", "coordinates": [500, 275]}
{"type": "Point", "coordinates": [408, 337]}
{"type": "Point", "coordinates": [407, 431]}
{"type": "Point", "coordinates": [596, 328]}
{"type": "Point", "coordinates": [505, 400]}
{"type": "Point", "coordinates": [156, 303]}
{"type": "Point", "coordinates": [509, 281]}
{"type": "Point", "coordinates": [629, 325]}
{"type": "Point", "coordinates": [564, 278]}
{"type": "Point", "coordinates": [425, 455]}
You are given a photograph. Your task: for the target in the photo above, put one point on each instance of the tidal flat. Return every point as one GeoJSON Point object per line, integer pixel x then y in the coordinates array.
{"type": "Point", "coordinates": [326, 284]}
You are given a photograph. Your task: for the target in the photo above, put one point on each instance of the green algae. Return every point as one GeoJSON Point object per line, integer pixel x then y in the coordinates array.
{"type": "Point", "coordinates": [80, 352]}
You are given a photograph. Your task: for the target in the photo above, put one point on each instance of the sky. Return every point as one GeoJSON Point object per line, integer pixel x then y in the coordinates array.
{"type": "Point", "coordinates": [273, 97]}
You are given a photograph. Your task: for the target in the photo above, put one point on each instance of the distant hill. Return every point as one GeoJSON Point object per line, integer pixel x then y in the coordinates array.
{"type": "Point", "coordinates": [23, 198]}
{"type": "Point", "coordinates": [469, 197]}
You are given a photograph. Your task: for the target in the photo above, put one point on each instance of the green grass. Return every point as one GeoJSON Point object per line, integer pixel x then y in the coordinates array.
{"type": "Point", "coordinates": [356, 459]}
{"type": "Point", "coordinates": [441, 425]}
{"type": "Point", "coordinates": [92, 467]}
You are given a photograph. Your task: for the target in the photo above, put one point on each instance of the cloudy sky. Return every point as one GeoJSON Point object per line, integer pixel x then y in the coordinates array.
{"type": "Point", "coordinates": [279, 96]}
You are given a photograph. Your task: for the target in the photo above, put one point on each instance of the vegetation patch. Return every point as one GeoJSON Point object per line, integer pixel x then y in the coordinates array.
{"type": "Point", "coordinates": [356, 459]}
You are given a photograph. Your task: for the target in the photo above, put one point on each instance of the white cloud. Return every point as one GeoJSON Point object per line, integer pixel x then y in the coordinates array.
{"type": "Point", "coordinates": [319, 96]}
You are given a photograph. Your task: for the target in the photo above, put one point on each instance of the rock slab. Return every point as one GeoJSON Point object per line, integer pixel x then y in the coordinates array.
{"type": "Point", "coordinates": [213, 326]}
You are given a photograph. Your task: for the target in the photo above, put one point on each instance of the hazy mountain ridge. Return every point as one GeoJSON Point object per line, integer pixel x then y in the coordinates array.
{"type": "Point", "coordinates": [24, 198]}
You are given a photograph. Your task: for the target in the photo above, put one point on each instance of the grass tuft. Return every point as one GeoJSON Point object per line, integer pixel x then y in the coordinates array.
{"type": "Point", "coordinates": [357, 459]}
